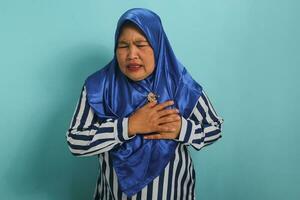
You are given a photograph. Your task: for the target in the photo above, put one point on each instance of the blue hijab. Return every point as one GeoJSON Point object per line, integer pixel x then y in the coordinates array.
{"type": "Point", "coordinates": [112, 95]}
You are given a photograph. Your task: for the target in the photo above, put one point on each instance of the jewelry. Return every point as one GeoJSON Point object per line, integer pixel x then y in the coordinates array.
{"type": "Point", "coordinates": [152, 97]}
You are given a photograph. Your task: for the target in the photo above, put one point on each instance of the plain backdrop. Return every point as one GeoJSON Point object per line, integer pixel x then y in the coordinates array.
{"type": "Point", "coordinates": [245, 54]}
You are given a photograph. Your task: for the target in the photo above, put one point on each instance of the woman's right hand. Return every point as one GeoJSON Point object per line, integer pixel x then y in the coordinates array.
{"type": "Point", "coordinates": [152, 117]}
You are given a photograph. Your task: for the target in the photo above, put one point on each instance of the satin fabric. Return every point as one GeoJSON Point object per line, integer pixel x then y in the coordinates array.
{"type": "Point", "coordinates": [112, 95]}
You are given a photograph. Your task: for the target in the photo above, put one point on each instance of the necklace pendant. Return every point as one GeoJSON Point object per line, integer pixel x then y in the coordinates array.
{"type": "Point", "coordinates": [152, 97]}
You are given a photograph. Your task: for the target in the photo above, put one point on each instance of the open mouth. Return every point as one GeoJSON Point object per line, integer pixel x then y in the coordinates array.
{"type": "Point", "coordinates": [133, 67]}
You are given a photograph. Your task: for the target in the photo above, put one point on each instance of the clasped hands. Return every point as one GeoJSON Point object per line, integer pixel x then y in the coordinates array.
{"type": "Point", "coordinates": [154, 121]}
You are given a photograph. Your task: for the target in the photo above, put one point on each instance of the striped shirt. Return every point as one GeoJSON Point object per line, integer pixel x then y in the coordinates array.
{"type": "Point", "coordinates": [88, 135]}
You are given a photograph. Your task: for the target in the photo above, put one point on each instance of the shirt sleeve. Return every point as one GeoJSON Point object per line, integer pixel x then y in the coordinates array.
{"type": "Point", "coordinates": [203, 127]}
{"type": "Point", "coordinates": [89, 135]}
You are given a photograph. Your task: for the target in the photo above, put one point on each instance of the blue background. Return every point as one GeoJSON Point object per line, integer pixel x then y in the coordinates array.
{"type": "Point", "coordinates": [245, 53]}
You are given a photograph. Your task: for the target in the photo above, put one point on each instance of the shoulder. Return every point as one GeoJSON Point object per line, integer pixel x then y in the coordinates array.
{"type": "Point", "coordinates": [100, 74]}
{"type": "Point", "coordinates": [96, 79]}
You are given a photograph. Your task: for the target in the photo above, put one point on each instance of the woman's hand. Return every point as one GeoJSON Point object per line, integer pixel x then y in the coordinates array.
{"type": "Point", "coordinates": [154, 117]}
{"type": "Point", "coordinates": [167, 135]}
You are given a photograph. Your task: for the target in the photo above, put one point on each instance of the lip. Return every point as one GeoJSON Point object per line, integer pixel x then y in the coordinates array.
{"type": "Point", "coordinates": [133, 67]}
{"type": "Point", "coordinates": [133, 64]}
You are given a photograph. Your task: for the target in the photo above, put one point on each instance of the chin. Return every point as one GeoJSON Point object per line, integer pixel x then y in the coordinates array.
{"type": "Point", "coordinates": [135, 78]}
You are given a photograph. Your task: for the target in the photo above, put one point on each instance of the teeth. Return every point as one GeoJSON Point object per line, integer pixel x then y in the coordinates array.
{"type": "Point", "coordinates": [134, 66]}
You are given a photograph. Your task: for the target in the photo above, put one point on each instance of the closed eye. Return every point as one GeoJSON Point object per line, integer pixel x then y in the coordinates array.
{"type": "Point", "coordinates": [142, 45]}
{"type": "Point", "coordinates": [122, 46]}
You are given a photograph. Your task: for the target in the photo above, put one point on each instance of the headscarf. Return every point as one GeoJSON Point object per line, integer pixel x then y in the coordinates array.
{"type": "Point", "coordinates": [111, 94]}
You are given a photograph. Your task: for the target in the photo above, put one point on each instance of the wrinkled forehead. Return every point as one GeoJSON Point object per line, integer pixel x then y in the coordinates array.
{"type": "Point", "coordinates": [130, 25]}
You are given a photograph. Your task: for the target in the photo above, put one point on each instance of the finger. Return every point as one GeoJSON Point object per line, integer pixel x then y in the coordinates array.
{"type": "Point", "coordinates": [163, 113]}
{"type": "Point", "coordinates": [151, 104]}
{"type": "Point", "coordinates": [165, 128]}
{"type": "Point", "coordinates": [169, 119]}
{"type": "Point", "coordinates": [153, 136]}
{"type": "Point", "coordinates": [163, 105]}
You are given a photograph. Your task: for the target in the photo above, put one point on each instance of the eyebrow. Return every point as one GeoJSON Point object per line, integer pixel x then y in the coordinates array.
{"type": "Point", "coordinates": [122, 42]}
{"type": "Point", "coordinates": [137, 41]}
{"type": "Point", "coordinates": [140, 41]}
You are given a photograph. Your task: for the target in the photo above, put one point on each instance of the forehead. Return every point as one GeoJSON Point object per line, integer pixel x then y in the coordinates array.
{"type": "Point", "coordinates": [130, 31]}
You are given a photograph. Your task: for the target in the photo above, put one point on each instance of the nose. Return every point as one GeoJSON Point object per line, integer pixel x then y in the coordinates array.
{"type": "Point", "coordinates": [132, 53]}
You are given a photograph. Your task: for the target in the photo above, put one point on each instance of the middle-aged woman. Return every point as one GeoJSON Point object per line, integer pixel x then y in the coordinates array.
{"type": "Point", "coordinates": [140, 113]}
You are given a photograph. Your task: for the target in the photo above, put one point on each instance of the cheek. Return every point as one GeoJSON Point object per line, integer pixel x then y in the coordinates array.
{"type": "Point", "coordinates": [121, 60]}
{"type": "Point", "coordinates": [150, 61]}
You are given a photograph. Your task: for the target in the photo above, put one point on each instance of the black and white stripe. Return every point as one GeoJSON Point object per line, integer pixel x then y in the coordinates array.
{"type": "Point", "coordinates": [88, 135]}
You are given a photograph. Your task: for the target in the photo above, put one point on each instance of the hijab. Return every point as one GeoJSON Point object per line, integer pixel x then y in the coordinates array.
{"type": "Point", "coordinates": [111, 94]}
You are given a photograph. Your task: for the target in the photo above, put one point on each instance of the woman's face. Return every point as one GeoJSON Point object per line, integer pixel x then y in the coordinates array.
{"type": "Point", "coordinates": [134, 54]}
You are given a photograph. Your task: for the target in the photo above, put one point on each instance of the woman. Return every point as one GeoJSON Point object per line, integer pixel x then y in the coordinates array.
{"type": "Point", "coordinates": [140, 113]}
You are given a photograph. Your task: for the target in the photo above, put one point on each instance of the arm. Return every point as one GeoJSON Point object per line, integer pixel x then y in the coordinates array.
{"type": "Point", "coordinates": [203, 127]}
{"type": "Point", "coordinates": [88, 135]}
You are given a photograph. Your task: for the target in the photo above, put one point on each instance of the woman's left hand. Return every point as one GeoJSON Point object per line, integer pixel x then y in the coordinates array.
{"type": "Point", "coordinates": [167, 135]}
